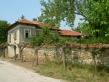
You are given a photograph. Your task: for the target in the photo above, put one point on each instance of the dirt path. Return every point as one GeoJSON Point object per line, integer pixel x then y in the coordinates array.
{"type": "Point", "coordinates": [12, 73]}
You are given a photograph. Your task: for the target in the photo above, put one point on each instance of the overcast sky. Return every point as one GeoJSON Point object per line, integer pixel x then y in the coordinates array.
{"type": "Point", "coordinates": [11, 10]}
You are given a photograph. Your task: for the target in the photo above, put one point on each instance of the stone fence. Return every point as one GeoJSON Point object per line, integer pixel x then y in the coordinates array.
{"type": "Point", "coordinates": [85, 54]}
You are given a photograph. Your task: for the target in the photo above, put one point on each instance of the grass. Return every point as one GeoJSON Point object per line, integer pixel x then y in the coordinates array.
{"type": "Point", "coordinates": [75, 74]}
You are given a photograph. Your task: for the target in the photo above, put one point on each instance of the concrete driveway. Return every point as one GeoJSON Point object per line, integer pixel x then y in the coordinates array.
{"type": "Point", "coordinates": [13, 73]}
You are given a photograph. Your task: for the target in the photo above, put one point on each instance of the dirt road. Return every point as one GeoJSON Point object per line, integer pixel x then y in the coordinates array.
{"type": "Point", "coordinates": [12, 73]}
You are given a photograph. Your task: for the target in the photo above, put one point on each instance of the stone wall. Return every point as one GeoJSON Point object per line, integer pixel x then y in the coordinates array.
{"type": "Point", "coordinates": [78, 55]}
{"type": "Point", "coordinates": [43, 54]}
{"type": "Point", "coordinates": [83, 56]}
{"type": "Point", "coordinates": [28, 54]}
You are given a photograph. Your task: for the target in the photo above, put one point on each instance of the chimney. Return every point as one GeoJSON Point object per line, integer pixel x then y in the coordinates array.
{"type": "Point", "coordinates": [22, 17]}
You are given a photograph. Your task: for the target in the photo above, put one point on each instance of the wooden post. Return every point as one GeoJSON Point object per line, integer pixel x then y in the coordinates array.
{"type": "Point", "coordinates": [37, 57]}
{"type": "Point", "coordinates": [63, 58]}
{"type": "Point", "coordinates": [15, 53]}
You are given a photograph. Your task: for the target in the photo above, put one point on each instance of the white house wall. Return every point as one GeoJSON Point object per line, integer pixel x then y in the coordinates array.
{"type": "Point", "coordinates": [12, 33]}
{"type": "Point", "coordinates": [19, 29]}
{"type": "Point", "coordinates": [24, 27]}
{"type": "Point", "coordinates": [11, 51]}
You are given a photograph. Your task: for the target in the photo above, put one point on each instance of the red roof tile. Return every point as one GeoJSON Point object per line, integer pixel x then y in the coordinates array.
{"type": "Point", "coordinates": [69, 33]}
{"type": "Point", "coordinates": [36, 23]}
{"type": "Point", "coordinates": [41, 24]}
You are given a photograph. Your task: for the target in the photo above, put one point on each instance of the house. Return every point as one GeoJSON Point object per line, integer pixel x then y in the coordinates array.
{"type": "Point", "coordinates": [23, 29]}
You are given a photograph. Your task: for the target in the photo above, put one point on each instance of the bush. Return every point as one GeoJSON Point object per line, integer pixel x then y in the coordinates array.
{"type": "Point", "coordinates": [93, 40]}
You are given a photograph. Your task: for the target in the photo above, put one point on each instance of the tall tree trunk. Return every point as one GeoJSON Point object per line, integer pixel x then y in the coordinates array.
{"type": "Point", "coordinates": [35, 59]}
{"type": "Point", "coordinates": [63, 58]}
{"type": "Point", "coordinates": [21, 48]}
{"type": "Point", "coordinates": [57, 55]}
{"type": "Point", "coordinates": [94, 54]}
{"type": "Point", "coordinates": [22, 57]}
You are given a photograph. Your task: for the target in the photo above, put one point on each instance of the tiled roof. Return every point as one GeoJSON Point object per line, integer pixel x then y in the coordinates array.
{"type": "Point", "coordinates": [69, 33]}
{"type": "Point", "coordinates": [41, 24]}
{"type": "Point", "coordinates": [36, 23]}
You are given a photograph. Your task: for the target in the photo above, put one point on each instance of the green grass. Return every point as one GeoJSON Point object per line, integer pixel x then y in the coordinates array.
{"type": "Point", "coordinates": [75, 74]}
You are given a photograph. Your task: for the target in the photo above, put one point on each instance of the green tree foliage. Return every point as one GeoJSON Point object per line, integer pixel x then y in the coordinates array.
{"type": "Point", "coordinates": [90, 34]}
{"type": "Point", "coordinates": [45, 37]}
{"type": "Point", "coordinates": [95, 12]}
{"type": "Point", "coordinates": [49, 37]}
{"type": "Point", "coordinates": [85, 29]}
{"type": "Point", "coordinates": [55, 11]}
{"type": "Point", "coordinates": [3, 31]}
{"type": "Point", "coordinates": [96, 15]}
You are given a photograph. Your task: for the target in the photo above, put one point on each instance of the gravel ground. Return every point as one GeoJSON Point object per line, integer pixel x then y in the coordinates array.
{"type": "Point", "coordinates": [13, 73]}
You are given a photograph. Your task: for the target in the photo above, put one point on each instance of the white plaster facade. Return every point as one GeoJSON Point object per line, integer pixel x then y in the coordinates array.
{"type": "Point", "coordinates": [17, 35]}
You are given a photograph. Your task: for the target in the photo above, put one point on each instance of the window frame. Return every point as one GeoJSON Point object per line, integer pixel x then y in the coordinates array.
{"type": "Point", "coordinates": [9, 38]}
{"type": "Point", "coordinates": [29, 33]}
{"type": "Point", "coordinates": [15, 35]}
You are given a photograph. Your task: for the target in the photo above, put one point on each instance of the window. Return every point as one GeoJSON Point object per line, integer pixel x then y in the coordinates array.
{"type": "Point", "coordinates": [15, 35]}
{"type": "Point", "coordinates": [9, 38]}
{"type": "Point", "coordinates": [26, 33]}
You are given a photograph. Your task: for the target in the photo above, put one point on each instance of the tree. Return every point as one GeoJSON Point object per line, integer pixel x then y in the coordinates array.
{"type": "Point", "coordinates": [85, 29]}
{"type": "Point", "coordinates": [3, 31]}
{"type": "Point", "coordinates": [21, 47]}
{"type": "Point", "coordinates": [55, 11]}
{"type": "Point", "coordinates": [3, 35]}
{"type": "Point", "coordinates": [95, 12]}
{"type": "Point", "coordinates": [45, 37]}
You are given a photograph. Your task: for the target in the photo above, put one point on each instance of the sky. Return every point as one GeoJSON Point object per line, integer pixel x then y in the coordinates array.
{"type": "Point", "coordinates": [12, 10]}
